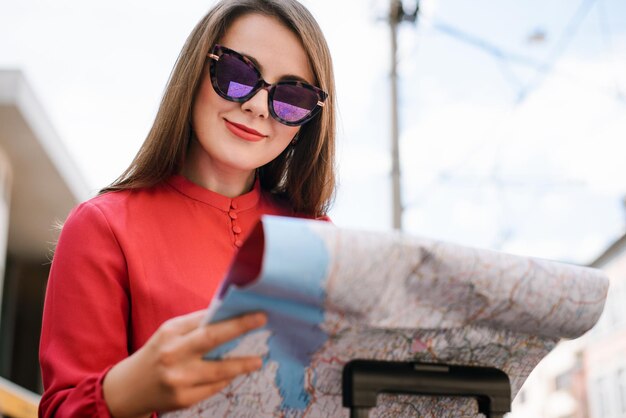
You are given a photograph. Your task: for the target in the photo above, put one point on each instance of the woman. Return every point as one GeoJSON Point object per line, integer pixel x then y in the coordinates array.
{"type": "Point", "coordinates": [245, 128]}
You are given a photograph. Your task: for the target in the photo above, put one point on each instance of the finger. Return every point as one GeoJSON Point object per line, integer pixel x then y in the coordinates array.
{"type": "Point", "coordinates": [189, 396]}
{"type": "Point", "coordinates": [183, 324]}
{"type": "Point", "coordinates": [198, 393]}
{"type": "Point", "coordinates": [210, 336]}
{"type": "Point", "coordinates": [208, 372]}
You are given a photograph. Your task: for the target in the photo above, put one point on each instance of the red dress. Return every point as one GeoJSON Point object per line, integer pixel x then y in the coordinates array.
{"type": "Point", "coordinates": [126, 262]}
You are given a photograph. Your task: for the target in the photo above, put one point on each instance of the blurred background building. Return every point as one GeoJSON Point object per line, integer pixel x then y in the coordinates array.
{"type": "Point", "coordinates": [586, 377]}
{"type": "Point", "coordinates": [604, 353]}
{"type": "Point", "coordinates": [39, 184]}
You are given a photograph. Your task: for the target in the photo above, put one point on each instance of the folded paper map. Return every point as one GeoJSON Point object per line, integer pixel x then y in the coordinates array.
{"type": "Point", "coordinates": [333, 295]}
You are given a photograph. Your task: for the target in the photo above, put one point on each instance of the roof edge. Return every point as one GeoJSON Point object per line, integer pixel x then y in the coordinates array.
{"type": "Point", "coordinates": [15, 90]}
{"type": "Point", "coordinates": [613, 250]}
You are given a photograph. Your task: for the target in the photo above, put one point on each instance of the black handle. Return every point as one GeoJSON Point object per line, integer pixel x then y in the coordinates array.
{"type": "Point", "coordinates": [363, 380]}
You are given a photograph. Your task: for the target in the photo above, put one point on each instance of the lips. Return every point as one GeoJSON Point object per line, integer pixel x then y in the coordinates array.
{"type": "Point", "coordinates": [243, 131]}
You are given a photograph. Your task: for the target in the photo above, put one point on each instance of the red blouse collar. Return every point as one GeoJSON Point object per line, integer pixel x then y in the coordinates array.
{"type": "Point", "coordinates": [192, 190]}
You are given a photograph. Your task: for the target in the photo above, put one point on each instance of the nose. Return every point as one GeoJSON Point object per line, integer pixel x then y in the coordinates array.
{"type": "Point", "coordinates": [257, 105]}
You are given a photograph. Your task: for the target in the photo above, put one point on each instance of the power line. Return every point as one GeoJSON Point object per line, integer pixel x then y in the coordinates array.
{"type": "Point", "coordinates": [562, 44]}
{"type": "Point", "coordinates": [542, 68]}
{"type": "Point", "coordinates": [607, 37]}
{"type": "Point", "coordinates": [484, 45]}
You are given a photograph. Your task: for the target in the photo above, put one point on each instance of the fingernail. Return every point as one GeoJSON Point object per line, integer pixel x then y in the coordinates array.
{"type": "Point", "coordinates": [258, 363]}
{"type": "Point", "coordinates": [259, 319]}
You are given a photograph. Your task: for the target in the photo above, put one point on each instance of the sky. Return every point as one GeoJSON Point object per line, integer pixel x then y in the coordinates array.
{"type": "Point", "coordinates": [512, 114]}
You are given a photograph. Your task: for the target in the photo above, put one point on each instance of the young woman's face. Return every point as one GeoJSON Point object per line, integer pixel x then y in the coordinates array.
{"type": "Point", "coordinates": [240, 137]}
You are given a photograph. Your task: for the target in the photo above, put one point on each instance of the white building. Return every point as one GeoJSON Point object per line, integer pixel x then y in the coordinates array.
{"type": "Point", "coordinates": [605, 352]}
{"type": "Point", "coordinates": [586, 377]}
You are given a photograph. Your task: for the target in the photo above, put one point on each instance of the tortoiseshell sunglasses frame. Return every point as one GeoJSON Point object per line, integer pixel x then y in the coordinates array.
{"type": "Point", "coordinates": [219, 50]}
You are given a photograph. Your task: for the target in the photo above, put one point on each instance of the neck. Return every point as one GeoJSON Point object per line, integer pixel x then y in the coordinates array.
{"type": "Point", "coordinates": [208, 174]}
{"type": "Point", "coordinates": [231, 187]}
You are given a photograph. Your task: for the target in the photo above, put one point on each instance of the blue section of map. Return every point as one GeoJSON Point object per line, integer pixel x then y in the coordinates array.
{"type": "Point", "coordinates": [291, 292]}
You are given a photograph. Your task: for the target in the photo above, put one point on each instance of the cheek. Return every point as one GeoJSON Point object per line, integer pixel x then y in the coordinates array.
{"type": "Point", "coordinates": [201, 105]}
{"type": "Point", "coordinates": [206, 104]}
{"type": "Point", "coordinates": [283, 135]}
{"type": "Point", "coordinates": [286, 133]}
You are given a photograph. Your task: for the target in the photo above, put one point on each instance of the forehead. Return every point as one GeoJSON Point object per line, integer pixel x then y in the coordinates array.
{"type": "Point", "coordinates": [273, 45]}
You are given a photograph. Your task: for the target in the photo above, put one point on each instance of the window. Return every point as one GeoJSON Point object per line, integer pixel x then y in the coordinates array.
{"type": "Point", "coordinates": [563, 381]}
{"type": "Point", "coordinates": [600, 398]}
{"type": "Point", "coordinates": [621, 388]}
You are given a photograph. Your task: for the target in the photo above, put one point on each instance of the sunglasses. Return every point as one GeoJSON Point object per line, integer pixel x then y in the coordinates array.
{"type": "Point", "coordinates": [236, 78]}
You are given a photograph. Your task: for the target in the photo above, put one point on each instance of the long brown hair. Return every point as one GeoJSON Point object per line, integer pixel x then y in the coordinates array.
{"type": "Point", "coordinates": [303, 174]}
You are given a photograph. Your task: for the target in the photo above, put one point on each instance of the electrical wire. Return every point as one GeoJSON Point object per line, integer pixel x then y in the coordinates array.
{"type": "Point", "coordinates": [505, 58]}
{"type": "Point", "coordinates": [563, 42]}
{"type": "Point", "coordinates": [607, 38]}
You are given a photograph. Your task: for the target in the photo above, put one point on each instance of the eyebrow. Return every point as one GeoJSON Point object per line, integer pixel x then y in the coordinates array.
{"type": "Point", "coordinates": [284, 77]}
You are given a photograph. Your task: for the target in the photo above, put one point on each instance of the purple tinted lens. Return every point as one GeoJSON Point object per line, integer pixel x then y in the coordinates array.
{"type": "Point", "coordinates": [237, 90]}
{"type": "Point", "coordinates": [235, 78]}
{"type": "Point", "coordinates": [288, 112]}
{"type": "Point", "coordinates": [293, 103]}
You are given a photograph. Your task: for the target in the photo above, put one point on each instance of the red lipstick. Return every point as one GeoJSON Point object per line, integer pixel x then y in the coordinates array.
{"type": "Point", "coordinates": [244, 132]}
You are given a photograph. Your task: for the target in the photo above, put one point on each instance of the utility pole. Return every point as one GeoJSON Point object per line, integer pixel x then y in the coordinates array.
{"type": "Point", "coordinates": [396, 16]}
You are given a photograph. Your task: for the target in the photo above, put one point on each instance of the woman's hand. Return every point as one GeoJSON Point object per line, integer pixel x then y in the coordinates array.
{"type": "Point", "coordinates": [168, 372]}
